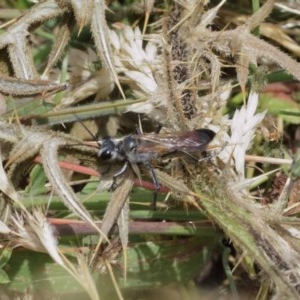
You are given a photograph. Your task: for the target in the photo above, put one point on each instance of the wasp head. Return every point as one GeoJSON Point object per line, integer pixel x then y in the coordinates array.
{"type": "Point", "coordinates": [109, 150]}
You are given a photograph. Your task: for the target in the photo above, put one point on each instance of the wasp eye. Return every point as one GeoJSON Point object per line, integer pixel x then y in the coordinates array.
{"type": "Point", "coordinates": [106, 154]}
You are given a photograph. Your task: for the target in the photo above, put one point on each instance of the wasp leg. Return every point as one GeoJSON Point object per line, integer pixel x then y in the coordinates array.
{"type": "Point", "coordinates": [117, 174]}
{"type": "Point", "coordinates": [156, 184]}
{"type": "Point", "coordinates": [159, 127]}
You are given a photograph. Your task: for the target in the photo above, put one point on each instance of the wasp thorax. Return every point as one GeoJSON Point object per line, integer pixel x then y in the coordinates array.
{"type": "Point", "coordinates": [130, 143]}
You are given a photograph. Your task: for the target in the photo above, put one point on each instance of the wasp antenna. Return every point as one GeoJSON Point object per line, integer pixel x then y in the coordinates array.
{"type": "Point", "coordinates": [83, 125]}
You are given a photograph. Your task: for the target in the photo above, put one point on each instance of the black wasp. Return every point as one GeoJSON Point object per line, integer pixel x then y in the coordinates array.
{"type": "Point", "coordinates": [143, 148]}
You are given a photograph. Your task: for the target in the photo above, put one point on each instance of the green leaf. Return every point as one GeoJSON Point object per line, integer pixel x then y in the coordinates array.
{"type": "Point", "coordinates": [38, 180]}
{"type": "Point", "coordinates": [280, 107]}
{"type": "Point", "coordinates": [5, 256]}
{"type": "Point", "coordinates": [295, 167]}
{"type": "Point", "coordinates": [157, 263]}
{"type": "Point", "coordinates": [25, 108]}
{"type": "Point", "coordinates": [38, 272]}
{"type": "Point", "coordinates": [4, 277]}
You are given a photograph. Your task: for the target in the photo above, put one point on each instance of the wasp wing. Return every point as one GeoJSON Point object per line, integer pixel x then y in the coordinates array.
{"type": "Point", "coordinates": [190, 141]}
